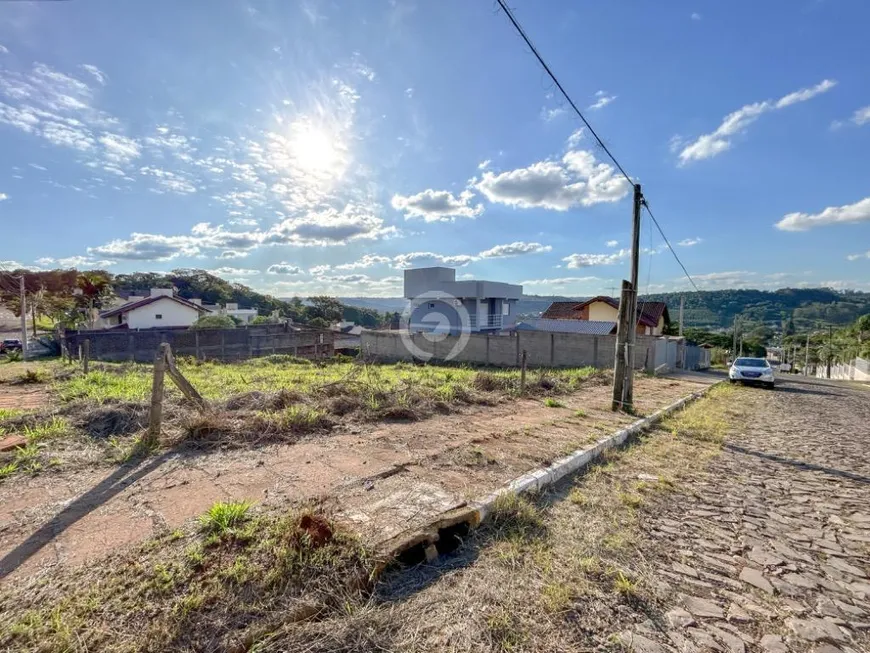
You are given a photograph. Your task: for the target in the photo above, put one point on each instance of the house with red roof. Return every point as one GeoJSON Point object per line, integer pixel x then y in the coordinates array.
{"type": "Point", "coordinates": [652, 317]}
{"type": "Point", "coordinates": [162, 308]}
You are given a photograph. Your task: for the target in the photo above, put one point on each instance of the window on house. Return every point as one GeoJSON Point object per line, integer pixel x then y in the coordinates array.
{"type": "Point", "coordinates": [431, 304]}
{"type": "Point", "coordinates": [505, 309]}
{"type": "Point", "coordinates": [158, 316]}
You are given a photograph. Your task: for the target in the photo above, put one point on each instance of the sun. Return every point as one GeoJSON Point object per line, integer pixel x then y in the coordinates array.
{"type": "Point", "coordinates": [314, 150]}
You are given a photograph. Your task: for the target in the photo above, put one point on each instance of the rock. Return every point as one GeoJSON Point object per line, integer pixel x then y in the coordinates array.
{"type": "Point", "coordinates": [682, 643]}
{"type": "Point", "coordinates": [634, 642]}
{"type": "Point", "coordinates": [680, 568]}
{"type": "Point", "coordinates": [815, 630]}
{"type": "Point", "coordinates": [827, 648]}
{"type": "Point", "coordinates": [859, 625]}
{"type": "Point", "coordinates": [649, 478]}
{"type": "Point", "coordinates": [773, 644]}
{"type": "Point", "coordinates": [736, 614]}
{"type": "Point", "coordinates": [731, 641]}
{"type": "Point", "coordinates": [795, 607]}
{"type": "Point", "coordinates": [761, 557]}
{"type": "Point", "coordinates": [860, 590]}
{"type": "Point", "coordinates": [826, 607]}
{"type": "Point", "coordinates": [702, 607]}
{"type": "Point", "coordinates": [799, 581]}
{"type": "Point", "coordinates": [679, 618]}
{"type": "Point", "coordinates": [704, 640]}
{"type": "Point", "coordinates": [848, 608]}
{"type": "Point", "coordinates": [12, 442]}
{"type": "Point", "coordinates": [756, 579]}
{"type": "Point", "coordinates": [843, 566]}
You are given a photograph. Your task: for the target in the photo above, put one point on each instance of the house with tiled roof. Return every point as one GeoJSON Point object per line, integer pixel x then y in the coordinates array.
{"type": "Point", "coordinates": [652, 317]}
{"type": "Point", "coordinates": [162, 308]}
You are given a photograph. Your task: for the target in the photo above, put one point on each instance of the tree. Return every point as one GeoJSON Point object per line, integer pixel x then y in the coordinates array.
{"type": "Point", "coordinates": [214, 322]}
{"type": "Point", "coordinates": [328, 309]}
{"type": "Point", "coordinates": [318, 323]}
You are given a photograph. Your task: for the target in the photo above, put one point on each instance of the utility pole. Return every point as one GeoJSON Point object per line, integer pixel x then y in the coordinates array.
{"type": "Point", "coordinates": [734, 346]}
{"type": "Point", "coordinates": [682, 305]}
{"type": "Point", "coordinates": [807, 356]}
{"type": "Point", "coordinates": [626, 329]}
{"type": "Point", "coordinates": [23, 308]}
{"type": "Point", "coordinates": [830, 351]}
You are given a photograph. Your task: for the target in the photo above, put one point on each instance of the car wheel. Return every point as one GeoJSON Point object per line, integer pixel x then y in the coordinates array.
{"type": "Point", "coordinates": [770, 386]}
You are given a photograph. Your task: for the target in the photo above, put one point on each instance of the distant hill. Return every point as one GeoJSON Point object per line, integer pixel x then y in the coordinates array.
{"type": "Point", "coordinates": [807, 307]}
{"type": "Point", "coordinates": [529, 305]}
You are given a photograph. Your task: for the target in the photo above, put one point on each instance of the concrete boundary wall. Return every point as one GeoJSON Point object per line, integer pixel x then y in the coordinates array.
{"type": "Point", "coordinates": [211, 344]}
{"type": "Point", "coordinates": [543, 349]}
{"type": "Point", "coordinates": [856, 370]}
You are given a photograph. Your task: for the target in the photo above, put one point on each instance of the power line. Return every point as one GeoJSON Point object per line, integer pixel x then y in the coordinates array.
{"type": "Point", "coordinates": [558, 84]}
{"type": "Point", "coordinates": [668, 243]}
{"type": "Point", "coordinates": [561, 88]}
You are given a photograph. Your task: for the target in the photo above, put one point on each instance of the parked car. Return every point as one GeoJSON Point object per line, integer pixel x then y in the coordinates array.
{"type": "Point", "coordinates": [752, 370]}
{"type": "Point", "coordinates": [10, 344]}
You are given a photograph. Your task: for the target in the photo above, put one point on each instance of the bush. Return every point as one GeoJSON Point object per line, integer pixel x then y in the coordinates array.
{"type": "Point", "coordinates": [214, 322]}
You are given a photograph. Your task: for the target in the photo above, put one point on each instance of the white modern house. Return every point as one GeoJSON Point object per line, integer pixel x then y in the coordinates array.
{"type": "Point", "coordinates": [438, 302]}
{"type": "Point", "coordinates": [244, 315]}
{"type": "Point", "coordinates": [162, 308]}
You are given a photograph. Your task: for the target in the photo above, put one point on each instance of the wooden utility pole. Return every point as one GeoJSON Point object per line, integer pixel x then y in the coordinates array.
{"type": "Point", "coordinates": [682, 305]}
{"type": "Point", "coordinates": [734, 346]}
{"type": "Point", "coordinates": [523, 374]}
{"type": "Point", "coordinates": [23, 308]}
{"type": "Point", "coordinates": [626, 328]}
{"type": "Point", "coordinates": [830, 351]}
{"type": "Point", "coordinates": [86, 356]}
{"type": "Point", "coordinates": [156, 416]}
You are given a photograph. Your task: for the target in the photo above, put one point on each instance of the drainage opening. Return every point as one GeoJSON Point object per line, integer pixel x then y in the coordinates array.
{"type": "Point", "coordinates": [452, 537]}
{"type": "Point", "coordinates": [413, 555]}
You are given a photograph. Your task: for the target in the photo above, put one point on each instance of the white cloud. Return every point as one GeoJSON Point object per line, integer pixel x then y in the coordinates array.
{"type": "Point", "coordinates": [367, 261]}
{"type": "Point", "coordinates": [575, 180]}
{"type": "Point", "coordinates": [690, 242]}
{"type": "Point", "coordinates": [551, 114]}
{"type": "Point", "coordinates": [120, 150]}
{"type": "Point", "coordinates": [79, 262]}
{"type": "Point", "coordinates": [483, 165]}
{"type": "Point", "coordinates": [168, 181]}
{"type": "Point", "coordinates": [330, 227]}
{"type": "Point", "coordinates": [3, 196]}
{"type": "Point", "coordinates": [283, 268]}
{"type": "Point", "coordinates": [590, 260]}
{"type": "Point", "coordinates": [10, 265]}
{"type": "Point", "coordinates": [64, 135]}
{"type": "Point", "coordinates": [4, 49]}
{"type": "Point", "coordinates": [848, 214]}
{"type": "Point", "coordinates": [612, 243]}
{"type": "Point", "coordinates": [409, 92]}
{"type": "Point", "coordinates": [514, 249]}
{"type": "Point", "coordinates": [426, 259]}
{"type": "Point", "coordinates": [98, 74]}
{"type": "Point", "coordinates": [437, 205]}
{"type": "Point", "coordinates": [148, 247]}
{"type": "Point", "coordinates": [232, 254]}
{"type": "Point", "coordinates": [855, 257]}
{"type": "Point", "coordinates": [233, 272]}
{"type": "Point", "coordinates": [603, 99]}
{"type": "Point", "coordinates": [716, 142]}
{"type": "Point", "coordinates": [861, 116]}
{"type": "Point", "coordinates": [575, 138]}
{"type": "Point", "coordinates": [560, 281]}
{"type": "Point", "coordinates": [696, 16]}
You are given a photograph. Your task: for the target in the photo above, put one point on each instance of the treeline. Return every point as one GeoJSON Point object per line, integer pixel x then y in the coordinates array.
{"type": "Point", "coordinates": [65, 297]}
{"type": "Point", "coordinates": [806, 307]}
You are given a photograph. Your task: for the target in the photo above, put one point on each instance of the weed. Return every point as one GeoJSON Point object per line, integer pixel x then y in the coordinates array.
{"type": "Point", "coordinates": [31, 376]}
{"type": "Point", "coordinates": [577, 497]}
{"type": "Point", "coordinates": [624, 585]}
{"type": "Point", "coordinates": [8, 469]}
{"type": "Point", "coordinates": [506, 632]}
{"type": "Point", "coordinates": [549, 402]}
{"type": "Point", "coordinates": [55, 427]}
{"type": "Point", "coordinates": [556, 597]}
{"type": "Point", "coordinates": [630, 500]}
{"type": "Point", "coordinates": [580, 413]}
{"type": "Point", "coordinates": [516, 516]}
{"type": "Point", "coordinates": [224, 517]}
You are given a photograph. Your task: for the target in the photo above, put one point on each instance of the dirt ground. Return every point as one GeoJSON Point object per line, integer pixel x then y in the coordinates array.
{"type": "Point", "coordinates": [381, 479]}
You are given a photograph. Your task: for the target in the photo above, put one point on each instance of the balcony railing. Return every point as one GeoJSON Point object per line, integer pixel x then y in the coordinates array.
{"type": "Point", "coordinates": [489, 322]}
{"type": "Point", "coordinates": [472, 321]}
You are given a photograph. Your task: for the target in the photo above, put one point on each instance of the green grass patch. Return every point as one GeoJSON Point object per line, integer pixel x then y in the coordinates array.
{"type": "Point", "coordinates": [549, 402]}
{"type": "Point", "coordinates": [225, 517]}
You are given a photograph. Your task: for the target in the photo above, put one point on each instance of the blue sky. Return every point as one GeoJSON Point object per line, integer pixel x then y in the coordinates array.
{"type": "Point", "coordinates": [322, 146]}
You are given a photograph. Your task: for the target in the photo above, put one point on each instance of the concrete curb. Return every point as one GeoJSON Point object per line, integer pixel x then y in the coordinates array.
{"type": "Point", "coordinates": [538, 479]}
{"type": "Point", "coordinates": [476, 512]}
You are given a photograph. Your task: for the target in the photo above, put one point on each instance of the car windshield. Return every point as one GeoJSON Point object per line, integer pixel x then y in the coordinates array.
{"type": "Point", "coordinates": [750, 362]}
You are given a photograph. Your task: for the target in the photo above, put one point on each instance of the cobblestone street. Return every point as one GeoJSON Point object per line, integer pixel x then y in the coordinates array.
{"type": "Point", "coordinates": [772, 551]}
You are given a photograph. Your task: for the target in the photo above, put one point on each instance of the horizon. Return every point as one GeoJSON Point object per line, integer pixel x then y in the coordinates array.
{"type": "Point", "coordinates": [312, 148]}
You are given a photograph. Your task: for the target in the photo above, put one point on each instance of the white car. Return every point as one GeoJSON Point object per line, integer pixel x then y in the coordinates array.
{"type": "Point", "coordinates": [751, 370]}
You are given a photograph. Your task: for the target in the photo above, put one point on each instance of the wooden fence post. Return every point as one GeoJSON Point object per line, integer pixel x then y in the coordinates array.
{"type": "Point", "coordinates": [86, 355]}
{"type": "Point", "coordinates": [156, 415]}
{"type": "Point", "coordinates": [183, 384]}
{"type": "Point", "coordinates": [523, 375]}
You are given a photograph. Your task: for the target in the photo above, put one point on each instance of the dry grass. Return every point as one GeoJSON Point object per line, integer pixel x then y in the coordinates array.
{"type": "Point", "coordinates": [221, 590]}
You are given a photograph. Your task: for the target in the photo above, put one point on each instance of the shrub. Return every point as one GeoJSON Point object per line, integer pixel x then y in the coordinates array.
{"type": "Point", "coordinates": [223, 517]}
{"type": "Point", "coordinates": [214, 322]}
